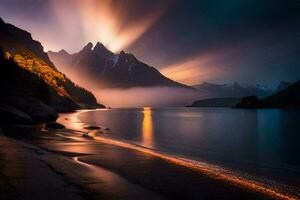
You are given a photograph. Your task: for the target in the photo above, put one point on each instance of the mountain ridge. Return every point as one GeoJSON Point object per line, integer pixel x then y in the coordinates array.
{"type": "Point", "coordinates": [111, 70]}
{"type": "Point", "coordinates": [232, 90]}
{"type": "Point", "coordinates": [15, 40]}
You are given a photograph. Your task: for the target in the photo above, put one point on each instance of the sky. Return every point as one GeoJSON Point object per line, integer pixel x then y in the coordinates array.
{"type": "Point", "coordinates": [190, 41]}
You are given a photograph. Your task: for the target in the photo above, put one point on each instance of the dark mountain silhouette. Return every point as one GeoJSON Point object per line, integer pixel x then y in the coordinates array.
{"type": "Point", "coordinates": [282, 85]}
{"type": "Point", "coordinates": [286, 98]}
{"type": "Point", "coordinates": [110, 70]}
{"type": "Point", "coordinates": [235, 90]}
{"type": "Point", "coordinates": [30, 83]}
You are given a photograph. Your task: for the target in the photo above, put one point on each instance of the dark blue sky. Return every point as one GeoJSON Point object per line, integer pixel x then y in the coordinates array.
{"type": "Point", "coordinates": [250, 41]}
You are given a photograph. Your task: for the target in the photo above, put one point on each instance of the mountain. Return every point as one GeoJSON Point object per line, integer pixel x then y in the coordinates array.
{"type": "Point", "coordinates": [286, 98]}
{"type": "Point", "coordinates": [216, 102]}
{"type": "Point", "coordinates": [30, 83]}
{"type": "Point", "coordinates": [234, 90]}
{"type": "Point", "coordinates": [282, 85]}
{"type": "Point", "coordinates": [109, 70]}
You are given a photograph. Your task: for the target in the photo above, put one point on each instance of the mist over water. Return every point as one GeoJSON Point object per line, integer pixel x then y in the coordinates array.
{"type": "Point", "coordinates": [159, 96]}
{"type": "Point", "coordinates": [147, 96]}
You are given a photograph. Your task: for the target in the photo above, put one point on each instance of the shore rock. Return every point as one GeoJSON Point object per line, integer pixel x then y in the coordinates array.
{"type": "Point", "coordinates": [36, 109]}
{"type": "Point", "coordinates": [92, 127]}
{"type": "Point", "coordinates": [39, 111]}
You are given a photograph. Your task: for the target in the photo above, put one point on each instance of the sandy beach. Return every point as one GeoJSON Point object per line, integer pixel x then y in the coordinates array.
{"type": "Point", "coordinates": [64, 165]}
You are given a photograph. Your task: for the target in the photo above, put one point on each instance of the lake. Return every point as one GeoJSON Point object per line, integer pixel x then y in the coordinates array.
{"type": "Point", "coordinates": [254, 141]}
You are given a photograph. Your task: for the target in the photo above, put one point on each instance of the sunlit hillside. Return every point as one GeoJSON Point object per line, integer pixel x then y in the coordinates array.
{"type": "Point", "coordinates": [40, 68]}
{"type": "Point", "coordinates": [29, 54]}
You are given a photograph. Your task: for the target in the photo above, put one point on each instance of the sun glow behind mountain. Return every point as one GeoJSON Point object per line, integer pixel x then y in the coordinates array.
{"type": "Point", "coordinates": [107, 21]}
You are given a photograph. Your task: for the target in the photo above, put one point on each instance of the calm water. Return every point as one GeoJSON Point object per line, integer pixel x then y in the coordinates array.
{"type": "Point", "coordinates": [256, 137]}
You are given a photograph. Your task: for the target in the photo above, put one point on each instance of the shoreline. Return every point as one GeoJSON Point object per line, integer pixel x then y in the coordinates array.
{"type": "Point", "coordinates": [123, 168]}
{"type": "Point", "coordinates": [212, 171]}
{"type": "Point", "coordinates": [116, 167]}
{"type": "Point", "coordinates": [267, 187]}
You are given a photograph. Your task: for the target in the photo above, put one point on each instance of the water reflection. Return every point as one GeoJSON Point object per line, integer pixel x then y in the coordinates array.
{"type": "Point", "coordinates": [261, 143]}
{"type": "Point", "coordinates": [264, 137]}
{"type": "Point", "coordinates": [72, 121]}
{"type": "Point", "coordinates": [147, 127]}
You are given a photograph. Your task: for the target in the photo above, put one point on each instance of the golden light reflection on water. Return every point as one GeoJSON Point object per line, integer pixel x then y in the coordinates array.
{"type": "Point", "coordinates": [72, 121]}
{"type": "Point", "coordinates": [147, 127]}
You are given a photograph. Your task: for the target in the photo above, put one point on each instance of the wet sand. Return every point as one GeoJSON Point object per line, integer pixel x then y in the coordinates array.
{"type": "Point", "coordinates": [34, 170]}
{"type": "Point", "coordinates": [25, 175]}
{"type": "Point", "coordinates": [68, 166]}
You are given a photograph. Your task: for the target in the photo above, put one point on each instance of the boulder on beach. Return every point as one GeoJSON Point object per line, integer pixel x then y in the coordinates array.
{"type": "Point", "coordinates": [54, 125]}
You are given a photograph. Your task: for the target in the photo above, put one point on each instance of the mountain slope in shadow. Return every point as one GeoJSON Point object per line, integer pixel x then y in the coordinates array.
{"type": "Point", "coordinates": [286, 98]}
{"type": "Point", "coordinates": [30, 83]}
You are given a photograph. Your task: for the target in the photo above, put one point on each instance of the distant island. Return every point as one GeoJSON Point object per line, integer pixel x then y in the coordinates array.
{"type": "Point", "coordinates": [286, 95]}
{"type": "Point", "coordinates": [216, 102]}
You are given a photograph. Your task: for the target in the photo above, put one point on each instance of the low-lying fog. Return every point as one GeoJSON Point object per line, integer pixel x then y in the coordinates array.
{"type": "Point", "coordinates": [137, 96]}
{"type": "Point", "coordinates": [150, 96]}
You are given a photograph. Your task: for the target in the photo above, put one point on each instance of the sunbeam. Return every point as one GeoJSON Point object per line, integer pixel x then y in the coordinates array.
{"type": "Point", "coordinates": [105, 21]}
{"type": "Point", "coordinates": [193, 70]}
